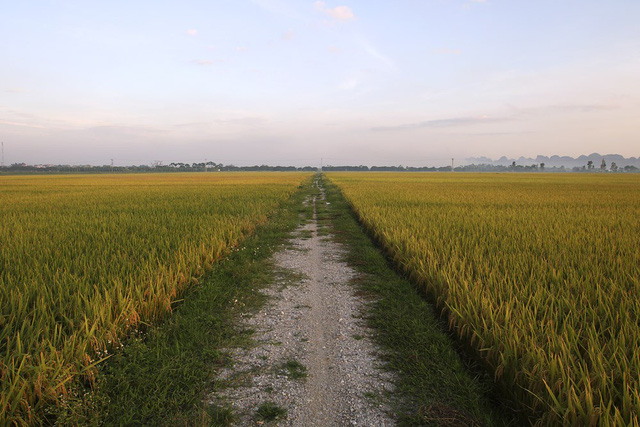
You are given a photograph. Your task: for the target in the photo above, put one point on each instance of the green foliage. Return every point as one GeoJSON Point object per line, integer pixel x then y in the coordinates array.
{"type": "Point", "coordinates": [294, 369]}
{"type": "Point", "coordinates": [269, 411]}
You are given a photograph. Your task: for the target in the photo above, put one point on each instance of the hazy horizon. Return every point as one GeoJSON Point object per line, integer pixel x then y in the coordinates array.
{"type": "Point", "coordinates": [290, 83]}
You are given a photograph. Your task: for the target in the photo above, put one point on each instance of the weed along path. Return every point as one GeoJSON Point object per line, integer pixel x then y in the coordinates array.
{"type": "Point", "coordinates": [311, 362]}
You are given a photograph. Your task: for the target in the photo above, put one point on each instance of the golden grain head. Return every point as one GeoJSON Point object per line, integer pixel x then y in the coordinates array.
{"type": "Point", "coordinates": [540, 272]}
{"type": "Point", "coordinates": [83, 259]}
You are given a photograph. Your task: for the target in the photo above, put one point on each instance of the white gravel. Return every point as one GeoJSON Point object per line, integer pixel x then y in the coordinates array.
{"type": "Point", "coordinates": [315, 321]}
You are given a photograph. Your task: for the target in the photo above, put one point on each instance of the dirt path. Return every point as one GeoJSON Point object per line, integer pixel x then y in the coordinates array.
{"type": "Point", "coordinates": [313, 356]}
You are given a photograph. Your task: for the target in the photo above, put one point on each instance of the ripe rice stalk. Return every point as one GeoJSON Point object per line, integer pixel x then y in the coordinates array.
{"type": "Point", "coordinates": [539, 273]}
{"type": "Point", "coordinates": [86, 260]}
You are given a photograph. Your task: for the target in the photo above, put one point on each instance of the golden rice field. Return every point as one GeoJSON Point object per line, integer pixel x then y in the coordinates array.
{"type": "Point", "coordinates": [83, 259]}
{"type": "Point", "coordinates": [539, 273]}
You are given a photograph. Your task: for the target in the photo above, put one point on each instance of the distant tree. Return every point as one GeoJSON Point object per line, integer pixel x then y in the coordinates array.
{"type": "Point", "coordinates": [542, 166]}
{"type": "Point", "coordinates": [590, 165]}
{"type": "Point", "coordinates": [603, 165]}
{"type": "Point", "coordinates": [614, 167]}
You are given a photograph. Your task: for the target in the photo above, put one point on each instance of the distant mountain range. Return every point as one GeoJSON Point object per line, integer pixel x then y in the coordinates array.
{"type": "Point", "coordinates": [557, 161]}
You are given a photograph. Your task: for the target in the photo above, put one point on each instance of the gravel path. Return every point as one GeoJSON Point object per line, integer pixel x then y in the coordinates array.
{"type": "Point", "coordinates": [312, 353]}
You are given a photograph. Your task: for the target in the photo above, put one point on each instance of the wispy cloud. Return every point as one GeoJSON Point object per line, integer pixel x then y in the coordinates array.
{"type": "Point", "coordinates": [30, 120]}
{"type": "Point", "coordinates": [562, 108]}
{"type": "Point", "coordinates": [450, 122]}
{"type": "Point", "coordinates": [124, 130]}
{"type": "Point", "coordinates": [190, 124]}
{"type": "Point", "coordinates": [206, 61]}
{"type": "Point", "coordinates": [350, 84]}
{"type": "Point", "coordinates": [515, 113]}
{"type": "Point", "coordinates": [226, 117]}
{"type": "Point", "coordinates": [21, 124]}
{"type": "Point", "coordinates": [192, 32]}
{"type": "Point", "coordinates": [500, 133]}
{"type": "Point", "coordinates": [244, 121]}
{"type": "Point", "coordinates": [288, 35]}
{"type": "Point", "coordinates": [339, 13]}
{"type": "Point", "coordinates": [583, 108]}
{"type": "Point", "coordinates": [375, 53]}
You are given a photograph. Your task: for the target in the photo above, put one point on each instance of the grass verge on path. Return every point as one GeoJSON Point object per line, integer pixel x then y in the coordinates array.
{"type": "Point", "coordinates": [435, 386]}
{"type": "Point", "coordinates": [161, 377]}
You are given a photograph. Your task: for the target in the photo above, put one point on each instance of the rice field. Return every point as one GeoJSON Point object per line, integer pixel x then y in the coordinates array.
{"type": "Point", "coordinates": [538, 273]}
{"type": "Point", "coordinates": [85, 260]}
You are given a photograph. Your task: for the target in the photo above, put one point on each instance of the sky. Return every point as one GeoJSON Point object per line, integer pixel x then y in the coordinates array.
{"type": "Point", "coordinates": [284, 82]}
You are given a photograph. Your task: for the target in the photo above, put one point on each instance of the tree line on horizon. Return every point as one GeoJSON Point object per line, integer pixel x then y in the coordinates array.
{"type": "Point", "coordinates": [219, 167]}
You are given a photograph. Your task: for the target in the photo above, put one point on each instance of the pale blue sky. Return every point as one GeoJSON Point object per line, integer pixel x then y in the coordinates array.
{"type": "Point", "coordinates": [411, 82]}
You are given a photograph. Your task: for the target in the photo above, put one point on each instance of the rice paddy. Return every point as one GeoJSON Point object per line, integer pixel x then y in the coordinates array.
{"type": "Point", "coordinates": [538, 273]}
{"type": "Point", "coordinates": [87, 260]}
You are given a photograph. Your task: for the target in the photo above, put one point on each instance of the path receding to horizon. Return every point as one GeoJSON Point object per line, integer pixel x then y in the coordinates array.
{"type": "Point", "coordinates": [312, 356]}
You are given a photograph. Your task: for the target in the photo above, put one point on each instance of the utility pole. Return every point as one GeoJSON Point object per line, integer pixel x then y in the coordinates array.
{"type": "Point", "coordinates": [321, 162]}
{"type": "Point", "coordinates": [452, 164]}
{"type": "Point", "coordinates": [111, 165]}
